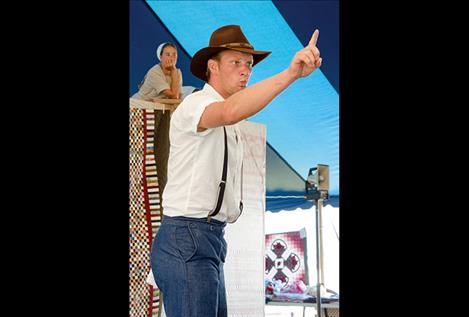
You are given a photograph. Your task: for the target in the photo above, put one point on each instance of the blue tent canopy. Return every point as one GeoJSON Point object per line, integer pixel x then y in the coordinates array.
{"type": "Point", "coordinates": [303, 122]}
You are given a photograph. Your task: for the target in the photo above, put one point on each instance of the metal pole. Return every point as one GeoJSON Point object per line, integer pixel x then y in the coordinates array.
{"type": "Point", "coordinates": [321, 245]}
{"type": "Point", "coordinates": [318, 261]}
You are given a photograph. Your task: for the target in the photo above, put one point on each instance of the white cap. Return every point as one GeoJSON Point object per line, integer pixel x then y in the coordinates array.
{"type": "Point", "coordinates": [158, 51]}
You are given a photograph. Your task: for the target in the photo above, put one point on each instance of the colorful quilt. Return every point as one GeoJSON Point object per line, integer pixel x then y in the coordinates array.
{"type": "Point", "coordinates": [144, 211]}
{"type": "Point", "coordinates": [285, 258]}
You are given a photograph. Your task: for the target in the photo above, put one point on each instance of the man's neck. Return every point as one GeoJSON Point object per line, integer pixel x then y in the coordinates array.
{"type": "Point", "coordinates": [218, 88]}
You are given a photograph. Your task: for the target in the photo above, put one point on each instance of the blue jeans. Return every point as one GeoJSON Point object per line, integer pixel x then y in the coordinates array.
{"type": "Point", "coordinates": [187, 262]}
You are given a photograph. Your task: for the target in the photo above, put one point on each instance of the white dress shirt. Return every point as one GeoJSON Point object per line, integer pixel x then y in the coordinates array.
{"type": "Point", "coordinates": [195, 162]}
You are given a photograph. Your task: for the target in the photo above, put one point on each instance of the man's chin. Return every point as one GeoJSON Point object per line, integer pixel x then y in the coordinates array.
{"type": "Point", "coordinates": [238, 88]}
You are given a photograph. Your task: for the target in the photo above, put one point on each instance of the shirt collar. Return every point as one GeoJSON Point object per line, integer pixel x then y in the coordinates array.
{"type": "Point", "coordinates": [211, 91]}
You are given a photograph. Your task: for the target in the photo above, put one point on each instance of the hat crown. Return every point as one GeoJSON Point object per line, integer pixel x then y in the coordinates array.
{"type": "Point", "coordinates": [229, 36]}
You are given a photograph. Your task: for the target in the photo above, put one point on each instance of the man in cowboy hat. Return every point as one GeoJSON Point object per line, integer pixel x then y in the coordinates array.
{"type": "Point", "coordinates": [204, 188]}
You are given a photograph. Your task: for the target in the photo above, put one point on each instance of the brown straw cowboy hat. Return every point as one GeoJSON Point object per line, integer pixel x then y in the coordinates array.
{"type": "Point", "coordinates": [228, 37]}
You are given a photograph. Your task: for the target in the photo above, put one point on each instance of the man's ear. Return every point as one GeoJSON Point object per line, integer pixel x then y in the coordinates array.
{"type": "Point", "coordinates": [212, 65]}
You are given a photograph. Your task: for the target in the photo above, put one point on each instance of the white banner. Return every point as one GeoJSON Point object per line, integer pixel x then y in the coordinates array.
{"type": "Point", "coordinates": [244, 267]}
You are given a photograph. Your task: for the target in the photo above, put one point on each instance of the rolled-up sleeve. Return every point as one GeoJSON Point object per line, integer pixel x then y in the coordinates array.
{"type": "Point", "coordinates": [190, 111]}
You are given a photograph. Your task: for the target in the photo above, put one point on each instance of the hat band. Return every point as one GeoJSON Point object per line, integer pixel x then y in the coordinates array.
{"type": "Point", "coordinates": [236, 45]}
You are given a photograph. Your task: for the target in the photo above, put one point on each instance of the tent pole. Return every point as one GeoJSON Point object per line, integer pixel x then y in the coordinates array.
{"type": "Point", "coordinates": [318, 203]}
{"type": "Point", "coordinates": [321, 245]}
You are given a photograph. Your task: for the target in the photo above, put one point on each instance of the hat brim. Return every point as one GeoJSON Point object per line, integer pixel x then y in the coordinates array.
{"type": "Point", "coordinates": [199, 61]}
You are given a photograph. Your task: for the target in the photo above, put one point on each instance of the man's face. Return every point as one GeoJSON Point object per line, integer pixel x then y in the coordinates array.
{"type": "Point", "coordinates": [169, 54]}
{"type": "Point", "coordinates": [234, 70]}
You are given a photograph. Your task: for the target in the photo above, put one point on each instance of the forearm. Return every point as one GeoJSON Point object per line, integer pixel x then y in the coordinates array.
{"type": "Point", "coordinates": [251, 100]}
{"type": "Point", "coordinates": [175, 89]}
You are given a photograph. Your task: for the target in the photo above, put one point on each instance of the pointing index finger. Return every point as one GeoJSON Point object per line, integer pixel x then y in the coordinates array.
{"type": "Point", "coordinates": [314, 38]}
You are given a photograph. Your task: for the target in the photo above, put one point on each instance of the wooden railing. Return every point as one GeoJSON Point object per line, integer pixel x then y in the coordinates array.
{"type": "Point", "coordinates": [156, 104]}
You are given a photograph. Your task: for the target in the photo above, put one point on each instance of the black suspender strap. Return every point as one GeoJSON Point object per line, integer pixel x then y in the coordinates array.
{"type": "Point", "coordinates": [221, 188]}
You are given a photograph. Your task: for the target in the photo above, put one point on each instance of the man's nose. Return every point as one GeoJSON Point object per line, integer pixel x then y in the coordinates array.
{"type": "Point", "coordinates": [245, 70]}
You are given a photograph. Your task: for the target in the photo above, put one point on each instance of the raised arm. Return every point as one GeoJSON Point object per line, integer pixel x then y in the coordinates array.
{"type": "Point", "coordinates": [174, 91]}
{"type": "Point", "coordinates": [249, 101]}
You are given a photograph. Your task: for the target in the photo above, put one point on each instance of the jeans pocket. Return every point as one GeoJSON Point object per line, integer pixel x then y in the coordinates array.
{"type": "Point", "coordinates": [185, 242]}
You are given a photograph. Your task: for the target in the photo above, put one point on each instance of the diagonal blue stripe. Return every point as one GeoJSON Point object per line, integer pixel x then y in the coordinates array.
{"type": "Point", "coordinates": [303, 122]}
